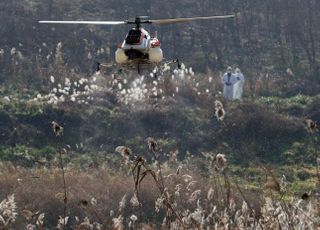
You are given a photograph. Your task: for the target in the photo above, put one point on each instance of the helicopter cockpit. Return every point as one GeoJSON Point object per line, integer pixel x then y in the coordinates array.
{"type": "Point", "coordinates": [133, 37]}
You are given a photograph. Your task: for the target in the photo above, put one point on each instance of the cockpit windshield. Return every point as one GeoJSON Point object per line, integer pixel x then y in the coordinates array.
{"type": "Point", "coordinates": [133, 37]}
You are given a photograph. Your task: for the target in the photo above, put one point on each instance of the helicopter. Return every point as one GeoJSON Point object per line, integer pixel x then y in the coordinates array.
{"type": "Point", "coordinates": [139, 50]}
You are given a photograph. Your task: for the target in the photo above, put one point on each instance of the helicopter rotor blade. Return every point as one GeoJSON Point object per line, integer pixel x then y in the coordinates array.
{"type": "Point", "coordinates": [86, 22]}
{"type": "Point", "coordinates": [180, 20]}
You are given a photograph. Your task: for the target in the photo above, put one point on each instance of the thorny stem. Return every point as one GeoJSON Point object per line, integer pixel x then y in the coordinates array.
{"type": "Point", "coordinates": [169, 206]}
{"type": "Point", "coordinates": [159, 182]}
{"type": "Point", "coordinates": [220, 187]}
{"type": "Point", "coordinates": [160, 170]}
{"type": "Point", "coordinates": [216, 192]}
{"type": "Point", "coordinates": [227, 186]}
{"type": "Point", "coordinates": [161, 188]}
{"type": "Point", "coordinates": [65, 199]}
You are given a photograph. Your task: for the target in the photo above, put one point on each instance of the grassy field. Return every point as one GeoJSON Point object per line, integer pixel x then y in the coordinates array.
{"type": "Point", "coordinates": [210, 164]}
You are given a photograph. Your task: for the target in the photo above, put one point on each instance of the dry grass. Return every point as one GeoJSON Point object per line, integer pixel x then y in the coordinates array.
{"type": "Point", "coordinates": [159, 193]}
{"type": "Point", "coordinates": [42, 190]}
{"type": "Point", "coordinates": [94, 196]}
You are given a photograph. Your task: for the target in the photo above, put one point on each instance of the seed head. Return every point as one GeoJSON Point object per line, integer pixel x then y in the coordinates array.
{"type": "Point", "coordinates": [57, 129]}
{"type": "Point", "coordinates": [311, 126]}
{"type": "Point", "coordinates": [305, 196]}
{"type": "Point", "coordinates": [210, 194]}
{"type": "Point", "coordinates": [194, 196]}
{"type": "Point", "coordinates": [159, 203]}
{"type": "Point", "coordinates": [152, 144]}
{"type": "Point", "coordinates": [134, 218]}
{"type": "Point", "coordinates": [220, 113]}
{"type": "Point", "coordinates": [40, 220]}
{"type": "Point", "coordinates": [221, 161]}
{"type": "Point", "coordinates": [117, 223]}
{"type": "Point", "coordinates": [62, 222]}
{"type": "Point", "coordinates": [134, 201]}
{"type": "Point", "coordinates": [124, 151]}
{"type": "Point", "coordinates": [123, 203]}
{"type": "Point", "coordinates": [93, 201]}
{"type": "Point", "coordinates": [140, 160]}
{"type": "Point", "coordinates": [218, 104]}
{"type": "Point", "coordinates": [178, 170]}
{"type": "Point", "coordinates": [8, 210]}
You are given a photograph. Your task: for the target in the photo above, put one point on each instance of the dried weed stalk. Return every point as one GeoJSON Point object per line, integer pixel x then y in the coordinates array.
{"type": "Point", "coordinates": [58, 131]}
{"type": "Point", "coordinates": [140, 169]}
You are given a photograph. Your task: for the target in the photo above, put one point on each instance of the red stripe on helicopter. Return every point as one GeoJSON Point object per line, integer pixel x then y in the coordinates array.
{"type": "Point", "coordinates": [155, 43]}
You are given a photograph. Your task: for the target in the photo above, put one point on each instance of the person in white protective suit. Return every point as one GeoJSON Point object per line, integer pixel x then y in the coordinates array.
{"type": "Point", "coordinates": [228, 81]}
{"type": "Point", "coordinates": [238, 86]}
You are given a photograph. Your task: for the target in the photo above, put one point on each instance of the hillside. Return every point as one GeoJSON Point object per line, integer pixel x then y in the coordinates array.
{"type": "Point", "coordinates": [181, 117]}
{"type": "Point", "coordinates": [265, 39]}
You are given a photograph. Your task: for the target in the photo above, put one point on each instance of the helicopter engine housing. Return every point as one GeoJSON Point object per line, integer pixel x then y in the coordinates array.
{"type": "Point", "coordinates": [120, 56]}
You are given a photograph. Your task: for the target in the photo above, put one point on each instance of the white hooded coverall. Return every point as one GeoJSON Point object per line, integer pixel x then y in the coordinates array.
{"type": "Point", "coordinates": [238, 87]}
{"type": "Point", "coordinates": [228, 81]}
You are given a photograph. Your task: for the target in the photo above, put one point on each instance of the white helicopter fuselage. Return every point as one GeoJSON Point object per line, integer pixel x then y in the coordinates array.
{"type": "Point", "coordinates": [144, 41]}
{"type": "Point", "coordinates": [138, 45]}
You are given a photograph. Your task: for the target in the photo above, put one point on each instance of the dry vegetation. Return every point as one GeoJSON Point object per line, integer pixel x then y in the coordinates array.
{"type": "Point", "coordinates": [160, 192]}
